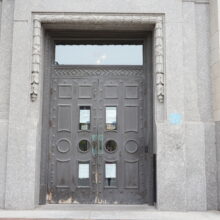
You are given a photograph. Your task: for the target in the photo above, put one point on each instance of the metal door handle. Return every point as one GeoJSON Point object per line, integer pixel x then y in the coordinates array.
{"type": "Point", "coordinates": [94, 145]}
{"type": "Point", "coordinates": [97, 144]}
{"type": "Point", "coordinates": [100, 144]}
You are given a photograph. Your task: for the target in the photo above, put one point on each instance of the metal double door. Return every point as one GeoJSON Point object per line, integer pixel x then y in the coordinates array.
{"type": "Point", "coordinates": [97, 137]}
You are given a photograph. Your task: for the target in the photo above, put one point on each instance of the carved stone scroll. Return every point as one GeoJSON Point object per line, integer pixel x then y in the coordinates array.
{"type": "Point", "coordinates": [119, 20]}
{"type": "Point", "coordinates": [35, 59]}
{"type": "Point", "coordinates": [159, 61]}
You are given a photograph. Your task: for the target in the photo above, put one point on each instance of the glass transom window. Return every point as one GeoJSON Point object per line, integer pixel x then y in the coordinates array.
{"type": "Point", "coordinates": [99, 54]}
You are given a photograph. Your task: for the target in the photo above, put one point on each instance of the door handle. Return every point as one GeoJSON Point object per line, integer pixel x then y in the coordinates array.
{"type": "Point", "coordinates": [97, 144]}
{"type": "Point", "coordinates": [100, 144]}
{"type": "Point", "coordinates": [94, 145]}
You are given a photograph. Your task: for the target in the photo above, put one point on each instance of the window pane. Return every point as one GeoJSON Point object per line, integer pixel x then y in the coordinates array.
{"type": "Point", "coordinates": [83, 174]}
{"type": "Point", "coordinates": [83, 170]}
{"type": "Point", "coordinates": [110, 174]}
{"type": "Point", "coordinates": [111, 118]}
{"type": "Point", "coordinates": [84, 146]}
{"type": "Point", "coordinates": [111, 146]}
{"type": "Point", "coordinates": [84, 118]}
{"type": "Point", "coordinates": [99, 54]}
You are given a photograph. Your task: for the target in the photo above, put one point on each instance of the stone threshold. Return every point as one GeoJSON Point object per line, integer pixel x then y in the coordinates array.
{"type": "Point", "coordinates": [103, 212]}
{"type": "Point", "coordinates": [97, 207]}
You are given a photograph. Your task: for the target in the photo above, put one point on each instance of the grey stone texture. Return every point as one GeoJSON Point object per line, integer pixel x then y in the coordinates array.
{"type": "Point", "coordinates": [211, 167]}
{"type": "Point", "coordinates": [186, 151]}
{"type": "Point", "coordinates": [196, 192]}
{"type": "Point", "coordinates": [0, 15]}
{"type": "Point", "coordinates": [205, 100]}
{"type": "Point", "coordinates": [215, 75]}
{"type": "Point", "coordinates": [6, 28]}
{"type": "Point", "coordinates": [214, 55]}
{"type": "Point", "coordinates": [217, 129]}
{"type": "Point", "coordinates": [171, 169]}
{"type": "Point", "coordinates": [96, 212]}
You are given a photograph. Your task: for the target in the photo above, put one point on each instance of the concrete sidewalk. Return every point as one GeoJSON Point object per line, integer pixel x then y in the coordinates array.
{"type": "Point", "coordinates": [103, 212]}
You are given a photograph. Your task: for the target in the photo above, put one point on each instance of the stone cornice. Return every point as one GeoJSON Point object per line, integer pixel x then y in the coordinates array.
{"type": "Point", "coordinates": [122, 20]}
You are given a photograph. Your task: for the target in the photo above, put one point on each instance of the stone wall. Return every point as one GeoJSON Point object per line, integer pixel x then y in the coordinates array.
{"type": "Point", "coordinates": [218, 158]}
{"type": "Point", "coordinates": [186, 151]}
{"type": "Point", "coordinates": [215, 73]}
{"type": "Point", "coordinates": [5, 72]}
{"type": "Point", "coordinates": [215, 54]}
{"type": "Point", "coordinates": [0, 15]}
{"type": "Point", "coordinates": [198, 103]}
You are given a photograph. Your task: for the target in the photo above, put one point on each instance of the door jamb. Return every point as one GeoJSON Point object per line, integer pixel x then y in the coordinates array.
{"type": "Point", "coordinates": [158, 68]}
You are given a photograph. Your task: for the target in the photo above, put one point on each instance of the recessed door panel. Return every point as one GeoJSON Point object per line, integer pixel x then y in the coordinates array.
{"type": "Point", "coordinates": [111, 91]}
{"type": "Point", "coordinates": [96, 145]}
{"type": "Point", "coordinates": [85, 91]}
{"type": "Point", "coordinates": [131, 172]}
{"type": "Point", "coordinates": [131, 92]}
{"type": "Point", "coordinates": [65, 91]}
{"type": "Point", "coordinates": [63, 171]}
{"type": "Point", "coordinates": [64, 118]}
{"type": "Point", "coordinates": [131, 118]}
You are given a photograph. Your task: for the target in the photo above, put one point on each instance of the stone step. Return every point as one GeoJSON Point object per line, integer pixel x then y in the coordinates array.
{"type": "Point", "coordinates": [103, 212]}
{"type": "Point", "coordinates": [106, 215]}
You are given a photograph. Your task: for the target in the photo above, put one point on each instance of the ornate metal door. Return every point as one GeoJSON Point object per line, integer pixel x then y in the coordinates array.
{"type": "Point", "coordinates": [97, 143]}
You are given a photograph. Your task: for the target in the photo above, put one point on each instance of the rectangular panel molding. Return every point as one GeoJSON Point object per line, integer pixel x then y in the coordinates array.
{"type": "Point", "coordinates": [64, 116]}
{"type": "Point", "coordinates": [131, 92]}
{"type": "Point", "coordinates": [65, 91]}
{"type": "Point", "coordinates": [85, 92]}
{"type": "Point", "coordinates": [63, 173]}
{"type": "Point", "coordinates": [87, 20]}
{"type": "Point", "coordinates": [111, 92]}
{"type": "Point", "coordinates": [131, 118]}
{"type": "Point", "coordinates": [131, 174]}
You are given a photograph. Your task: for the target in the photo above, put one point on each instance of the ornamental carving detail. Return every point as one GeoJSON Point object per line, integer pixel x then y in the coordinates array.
{"type": "Point", "coordinates": [110, 71]}
{"type": "Point", "coordinates": [120, 20]}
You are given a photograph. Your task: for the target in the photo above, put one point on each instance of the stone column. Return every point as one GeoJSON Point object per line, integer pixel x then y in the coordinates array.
{"type": "Point", "coordinates": [215, 70]}
{"type": "Point", "coordinates": [6, 27]}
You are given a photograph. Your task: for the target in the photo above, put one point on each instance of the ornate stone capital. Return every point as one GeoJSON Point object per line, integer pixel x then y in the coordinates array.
{"type": "Point", "coordinates": [119, 20]}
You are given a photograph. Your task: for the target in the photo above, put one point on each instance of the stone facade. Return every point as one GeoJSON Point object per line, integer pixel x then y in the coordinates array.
{"type": "Point", "coordinates": [215, 75]}
{"type": "Point", "coordinates": [188, 152]}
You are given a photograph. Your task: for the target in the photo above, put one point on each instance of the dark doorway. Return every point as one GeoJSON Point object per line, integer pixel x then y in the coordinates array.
{"type": "Point", "coordinates": [99, 139]}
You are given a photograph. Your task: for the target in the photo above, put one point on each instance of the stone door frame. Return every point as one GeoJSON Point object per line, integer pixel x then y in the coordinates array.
{"type": "Point", "coordinates": [144, 22]}
{"type": "Point", "coordinates": [120, 21]}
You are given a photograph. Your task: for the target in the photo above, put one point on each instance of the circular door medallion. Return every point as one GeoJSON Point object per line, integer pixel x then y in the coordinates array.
{"type": "Point", "coordinates": [63, 145]}
{"type": "Point", "coordinates": [111, 146]}
{"type": "Point", "coordinates": [84, 146]}
{"type": "Point", "coordinates": [131, 146]}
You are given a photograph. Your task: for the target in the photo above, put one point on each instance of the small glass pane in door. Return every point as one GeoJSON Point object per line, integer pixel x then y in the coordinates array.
{"type": "Point", "coordinates": [83, 174]}
{"type": "Point", "coordinates": [84, 146]}
{"type": "Point", "coordinates": [110, 174]}
{"type": "Point", "coordinates": [111, 146]}
{"type": "Point", "coordinates": [111, 118]}
{"type": "Point", "coordinates": [84, 117]}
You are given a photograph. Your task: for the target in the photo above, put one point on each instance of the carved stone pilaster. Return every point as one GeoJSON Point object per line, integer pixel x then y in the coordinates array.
{"type": "Point", "coordinates": [159, 61]}
{"type": "Point", "coordinates": [119, 20]}
{"type": "Point", "coordinates": [35, 59]}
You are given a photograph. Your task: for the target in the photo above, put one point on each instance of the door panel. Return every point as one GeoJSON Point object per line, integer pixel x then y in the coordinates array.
{"type": "Point", "coordinates": [96, 147]}
{"type": "Point", "coordinates": [125, 188]}
{"type": "Point", "coordinates": [70, 167]}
